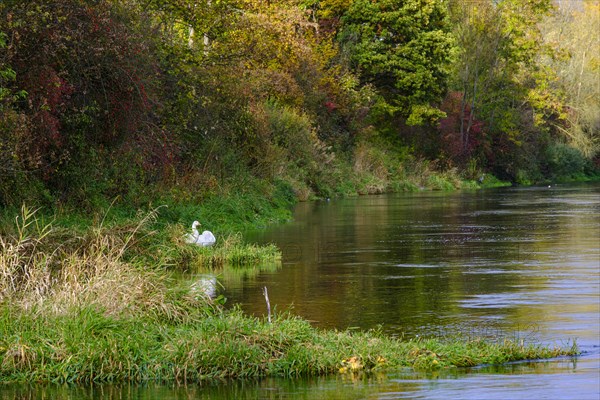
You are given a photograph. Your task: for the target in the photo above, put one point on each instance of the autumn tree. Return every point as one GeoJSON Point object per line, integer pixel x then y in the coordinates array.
{"type": "Point", "coordinates": [502, 82]}
{"type": "Point", "coordinates": [575, 28]}
{"type": "Point", "coordinates": [90, 93]}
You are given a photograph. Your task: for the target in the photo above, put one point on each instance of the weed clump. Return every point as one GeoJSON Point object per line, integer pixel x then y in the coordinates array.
{"type": "Point", "coordinates": [231, 251]}
{"type": "Point", "coordinates": [46, 270]}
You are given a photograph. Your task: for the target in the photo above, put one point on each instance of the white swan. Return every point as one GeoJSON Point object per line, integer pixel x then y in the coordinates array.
{"type": "Point", "coordinates": [205, 286]}
{"type": "Point", "coordinates": [204, 239]}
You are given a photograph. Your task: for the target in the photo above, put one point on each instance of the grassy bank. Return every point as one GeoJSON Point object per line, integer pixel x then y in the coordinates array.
{"type": "Point", "coordinates": [87, 345]}
{"type": "Point", "coordinates": [95, 307]}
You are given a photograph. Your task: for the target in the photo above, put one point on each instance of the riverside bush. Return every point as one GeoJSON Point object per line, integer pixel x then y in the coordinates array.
{"type": "Point", "coordinates": [564, 161]}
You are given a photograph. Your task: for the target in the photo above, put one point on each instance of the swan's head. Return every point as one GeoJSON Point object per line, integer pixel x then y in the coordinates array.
{"type": "Point", "coordinates": [195, 224]}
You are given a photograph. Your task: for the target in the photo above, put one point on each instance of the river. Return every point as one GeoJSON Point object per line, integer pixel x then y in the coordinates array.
{"type": "Point", "coordinates": [518, 263]}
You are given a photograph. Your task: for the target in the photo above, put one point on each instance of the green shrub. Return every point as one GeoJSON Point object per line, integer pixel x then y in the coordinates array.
{"type": "Point", "coordinates": [564, 161]}
{"type": "Point", "coordinates": [522, 177]}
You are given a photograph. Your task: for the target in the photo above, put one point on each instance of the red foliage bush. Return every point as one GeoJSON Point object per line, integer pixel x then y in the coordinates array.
{"type": "Point", "coordinates": [460, 143]}
{"type": "Point", "coordinates": [89, 75]}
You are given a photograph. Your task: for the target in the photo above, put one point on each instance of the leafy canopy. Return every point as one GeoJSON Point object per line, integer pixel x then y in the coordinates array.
{"type": "Point", "coordinates": [404, 49]}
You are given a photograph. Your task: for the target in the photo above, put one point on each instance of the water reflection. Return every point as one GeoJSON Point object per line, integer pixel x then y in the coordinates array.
{"type": "Point", "coordinates": [411, 262]}
{"type": "Point", "coordinates": [515, 380]}
{"type": "Point", "coordinates": [204, 285]}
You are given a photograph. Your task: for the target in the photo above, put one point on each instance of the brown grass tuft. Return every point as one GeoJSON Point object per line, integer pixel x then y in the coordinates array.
{"type": "Point", "coordinates": [40, 269]}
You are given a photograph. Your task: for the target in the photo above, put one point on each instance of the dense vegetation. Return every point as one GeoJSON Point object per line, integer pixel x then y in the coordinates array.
{"type": "Point", "coordinates": [186, 100]}
{"type": "Point", "coordinates": [229, 111]}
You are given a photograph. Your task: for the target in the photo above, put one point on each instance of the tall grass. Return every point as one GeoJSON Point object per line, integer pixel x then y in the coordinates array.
{"type": "Point", "coordinates": [231, 251]}
{"type": "Point", "coordinates": [378, 169]}
{"type": "Point", "coordinates": [47, 269]}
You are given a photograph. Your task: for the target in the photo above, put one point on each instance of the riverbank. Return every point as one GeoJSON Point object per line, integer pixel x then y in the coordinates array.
{"type": "Point", "coordinates": [101, 306]}
{"type": "Point", "coordinates": [87, 345]}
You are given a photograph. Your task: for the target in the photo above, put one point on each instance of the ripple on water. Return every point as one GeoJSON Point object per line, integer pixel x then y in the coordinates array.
{"type": "Point", "coordinates": [499, 300]}
{"type": "Point", "coordinates": [403, 265]}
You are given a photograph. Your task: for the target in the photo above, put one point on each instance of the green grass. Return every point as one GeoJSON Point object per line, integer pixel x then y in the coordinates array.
{"type": "Point", "coordinates": [490, 181]}
{"type": "Point", "coordinates": [581, 177]}
{"type": "Point", "coordinates": [231, 251]}
{"type": "Point", "coordinates": [86, 345]}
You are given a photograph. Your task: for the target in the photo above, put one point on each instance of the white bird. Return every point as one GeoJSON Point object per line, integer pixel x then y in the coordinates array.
{"type": "Point", "coordinates": [205, 286]}
{"type": "Point", "coordinates": [204, 239]}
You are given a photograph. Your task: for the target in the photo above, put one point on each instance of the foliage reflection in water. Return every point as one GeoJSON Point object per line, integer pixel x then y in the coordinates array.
{"type": "Point", "coordinates": [519, 262]}
{"type": "Point", "coordinates": [514, 380]}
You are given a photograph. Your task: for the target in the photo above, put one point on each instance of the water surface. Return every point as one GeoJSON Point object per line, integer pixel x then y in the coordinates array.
{"type": "Point", "coordinates": [519, 263]}
{"type": "Point", "coordinates": [510, 259]}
